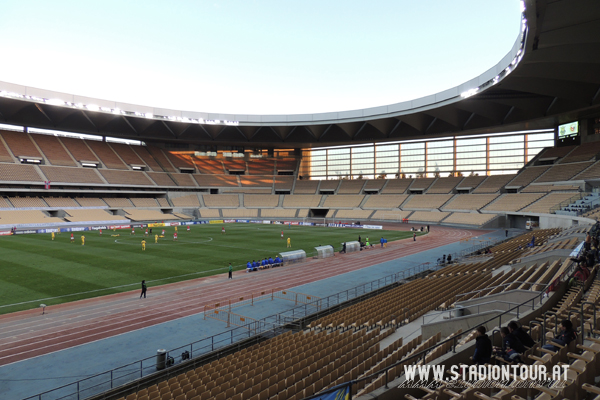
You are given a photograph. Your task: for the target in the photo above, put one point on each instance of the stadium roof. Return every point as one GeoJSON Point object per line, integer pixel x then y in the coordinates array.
{"type": "Point", "coordinates": [549, 77]}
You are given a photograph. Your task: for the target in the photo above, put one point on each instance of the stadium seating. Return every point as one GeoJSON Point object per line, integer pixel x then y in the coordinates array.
{"type": "Point", "coordinates": [444, 185]}
{"type": "Point", "coordinates": [117, 202]}
{"type": "Point", "coordinates": [385, 201]}
{"type": "Point", "coordinates": [234, 165]}
{"type": "Point", "coordinates": [144, 154]}
{"type": "Point", "coordinates": [277, 213]}
{"type": "Point", "coordinates": [493, 183]}
{"type": "Point", "coordinates": [527, 176]}
{"type": "Point", "coordinates": [4, 203]}
{"type": "Point", "coordinates": [584, 152]}
{"type": "Point", "coordinates": [428, 216]}
{"type": "Point", "coordinates": [353, 214]}
{"type": "Point", "coordinates": [161, 178]}
{"type": "Point", "coordinates": [90, 202]}
{"type": "Point", "coordinates": [549, 188]}
{"type": "Point", "coordinates": [148, 215]}
{"type": "Point", "coordinates": [425, 201]}
{"type": "Point", "coordinates": [297, 201]}
{"type": "Point", "coordinates": [60, 202]}
{"type": "Point", "coordinates": [396, 186]}
{"type": "Point", "coordinates": [221, 200]}
{"type": "Point", "coordinates": [19, 173]}
{"type": "Point", "coordinates": [284, 182]}
{"type": "Point", "coordinates": [593, 172]}
{"type": "Point", "coordinates": [92, 215]}
{"type": "Point", "coordinates": [27, 202]}
{"type": "Point", "coordinates": [286, 165]}
{"type": "Point", "coordinates": [20, 144]}
{"type": "Point", "coordinates": [390, 215]}
{"type": "Point", "coordinates": [79, 149]}
{"type": "Point", "coordinates": [348, 201]}
{"type": "Point", "coordinates": [563, 172]}
{"type": "Point", "coordinates": [329, 185]}
{"type": "Point", "coordinates": [127, 154]}
{"type": "Point", "coordinates": [421, 183]}
{"type": "Point", "coordinates": [53, 150]}
{"type": "Point", "coordinates": [72, 175]}
{"type": "Point", "coordinates": [469, 218]}
{"type": "Point", "coordinates": [261, 200]}
{"type": "Point", "coordinates": [5, 155]}
{"type": "Point", "coordinates": [239, 213]}
{"type": "Point", "coordinates": [184, 180]}
{"type": "Point", "coordinates": [163, 202]}
{"type": "Point", "coordinates": [210, 213]}
{"type": "Point", "coordinates": [133, 178]}
{"type": "Point", "coordinates": [256, 181]}
{"type": "Point", "coordinates": [27, 217]}
{"type": "Point", "coordinates": [470, 202]}
{"type": "Point", "coordinates": [512, 202]}
{"type": "Point", "coordinates": [216, 180]}
{"type": "Point", "coordinates": [106, 155]}
{"type": "Point", "coordinates": [306, 187]}
{"type": "Point", "coordinates": [261, 167]}
{"type": "Point", "coordinates": [470, 182]}
{"type": "Point", "coordinates": [180, 160]}
{"type": "Point", "coordinates": [545, 204]}
{"type": "Point", "coordinates": [353, 186]}
{"type": "Point", "coordinates": [375, 184]}
{"type": "Point", "coordinates": [160, 158]}
{"type": "Point", "coordinates": [190, 200]}
{"type": "Point", "coordinates": [208, 166]}
{"type": "Point", "coordinates": [144, 202]}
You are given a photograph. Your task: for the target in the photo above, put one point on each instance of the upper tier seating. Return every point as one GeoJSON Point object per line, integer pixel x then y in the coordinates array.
{"type": "Point", "coordinates": [145, 155]}
{"type": "Point", "coordinates": [19, 173]}
{"type": "Point", "coordinates": [250, 190]}
{"type": "Point", "coordinates": [221, 200]}
{"type": "Point", "coordinates": [4, 153]}
{"type": "Point", "coordinates": [127, 154]}
{"type": "Point", "coordinates": [92, 215]}
{"type": "Point", "coordinates": [470, 182]}
{"type": "Point", "coordinates": [180, 160]}
{"type": "Point", "coordinates": [90, 202]}
{"type": "Point", "coordinates": [190, 200]}
{"type": "Point", "coordinates": [106, 154]}
{"type": "Point", "coordinates": [286, 165]}
{"type": "Point", "coordinates": [592, 172]}
{"type": "Point", "coordinates": [160, 158]}
{"type": "Point", "coordinates": [277, 213]}
{"type": "Point", "coordinates": [60, 202]}
{"type": "Point", "coordinates": [373, 184]}
{"type": "Point", "coordinates": [444, 185]}
{"type": "Point", "coordinates": [144, 201]}
{"type": "Point", "coordinates": [261, 200]}
{"type": "Point", "coordinates": [161, 178]}
{"type": "Point", "coordinates": [585, 152]}
{"type": "Point", "coordinates": [117, 202]}
{"type": "Point", "coordinates": [421, 183]}
{"type": "Point", "coordinates": [208, 166]}
{"type": "Point", "coordinates": [329, 185]}
{"type": "Point", "coordinates": [4, 203]}
{"type": "Point", "coordinates": [469, 218]}
{"type": "Point", "coordinates": [396, 186]}
{"type": "Point", "coordinates": [256, 180]}
{"type": "Point", "coordinates": [234, 165]}
{"type": "Point", "coordinates": [261, 167]}
{"type": "Point", "coordinates": [72, 175]}
{"type": "Point", "coordinates": [547, 202]}
{"type": "Point", "coordinates": [353, 214]}
{"type": "Point", "coordinates": [385, 201]}
{"type": "Point", "coordinates": [53, 150]}
{"type": "Point", "coordinates": [351, 186]}
{"type": "Point", "coordinates": [284, 182]}
{"type": "Point", "coordinates": [527, 176]}
{"type": "Point", "coordinates": [27, 202]}
{"type": "Point", "coordinates": [163, 202]}
{"type": "Point", "coordinates": [148, 215]}
{"type": "Point", "coordinates": [20, 144]}
{"type": "Point", "coordinates": [426, 201]}
{"type": "Point", "coordinates": [393, 215]}
{"type": "Point", "coordinates": [513, 201]}
{"type": "Point", "coordinates": [304, 200]}
{"type": "Point", "coordinates": [493, 183]}
{"type": "Point", "coordinates": [428, 216]}
{"type": "Point", "coordinates": [347, 200]}
{"type": "Point", "coordinates": [306, 187]}
{"type": "Point", "coordinates": [21, 217]}
{"type": "Point", "coordinates": [216, 180]}
{"type": "Point", "coordinates": [563, 172]}
{"type": "Point", "coordinates": [471, 202]}
{"type": "Point", "coordinates": [556, 152]}
{"type": "Point", "coordinates": [184, 179]}
{"type": "Point", "coordinates": [79, 149]}
{"type": "Point", "coordinates": [210, 213]}
{"type": "Point", "coordinates": [115, 177]}
{"type": "Point", "coordinates": [548, 188]}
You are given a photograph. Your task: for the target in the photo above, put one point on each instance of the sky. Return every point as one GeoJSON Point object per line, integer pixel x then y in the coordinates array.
{"type": "Point", "coordinates": [253, 56]}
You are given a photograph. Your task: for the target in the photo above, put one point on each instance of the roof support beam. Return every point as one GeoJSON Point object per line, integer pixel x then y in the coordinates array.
{"type": "Point", "coordinates": [43, 113]}
{"type": "Point", "coordinates": [468, 120]}
{"type": "Point", "coordinates": [360, 129]}
{"type": "Point", "coordinates": [169, 129]}
{"type": "Point", "coordinates": [554, 100]}
{"type": "Point", "coordinates": [596, 95]}
{"type": "Point", "coordinates": [430, 125]}
{"type": "Point", "coordinates": [129, 123]}
{"type": "Point", "coordinates": [508, 114]}
{"type": "Point", "coordinates": [89, 120]}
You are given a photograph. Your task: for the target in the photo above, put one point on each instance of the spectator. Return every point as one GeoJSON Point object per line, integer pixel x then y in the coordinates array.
{"type": "Point", "coordinates": [483, 347]}
{"type": "Point", "coordinates": [520, 334]}
{"type": "Point", "coordinates": [343, 250]}
{"type": "Point", "coordinates": [249, 267]}
{"type": "Point", "coordinates": [381, 241]}
{"type": "Point", "coordinates": [277, 261]}
{"type": "Point", "coordinates": [566, 336]}
{"type": "Point", "coordinates": [444, 259]}
{"type": "Point", "coordinates": [270, 261]}
{"type": "Point", "coordinates": [512, 348]}
{"type": "Point", "coordinates": [449, 259]}
{"type": "Point", "coordinates": [587, 245]}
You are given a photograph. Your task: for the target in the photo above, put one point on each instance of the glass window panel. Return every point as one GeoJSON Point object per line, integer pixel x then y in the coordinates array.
{"type": "Point", "coordinates": [507, 139]}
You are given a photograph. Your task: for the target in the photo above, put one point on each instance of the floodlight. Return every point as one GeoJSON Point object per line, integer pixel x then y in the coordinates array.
{"type": "Point", "coordinates": [92, 107]}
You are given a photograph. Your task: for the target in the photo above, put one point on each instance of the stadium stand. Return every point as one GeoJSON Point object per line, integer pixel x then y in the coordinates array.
{"type": "Point", "coordinates": [353, 186]}
{"type": "Point", "coordinates": [563, 172]}
{"type": "Point", "coordinates": [27, 217]}
{"type": "Point", "coordinates": [375, 184]}
{"type": "Point", "coordinates": [4, 203]}
{"type": "Point", "coordinates": [593, 172]}
{"type": "Point", "coordinates": [421, 183]}
{"type": "Point", "coordinates": [144, 154]}
{"type": "Point", "coordinates": [19, 173]}
{"type": "Point", "coordinates": [425, 201]}
{"type": "Point", "coordinates": [582, 153]}
{"type": "Point", "coordinates": [239, 213]}
{"type": "Point", "coordinates": [385, 201]}
{"type": "Point", "coordinates": [5, 155]}
{"type": "Point", "coordinates": [79, 149]}
{"type": "Point", "coordinates": [27, 202]}
{"type": "Point", "coordinates": [92, 215]}
{"type": "Point", "coordinates": [261, 200]}
{"type": "Point", "coordinates": [180, 160]}
{"type": "Point", "coordinates": [512, 201]}
{"type": "Point", "coordinates": [184, 180]}
{"type": "Point", "coordinates": [444, 185]}
{"type": "Point", "coordinates": [20, 144]}
{"type": "Point", "coordinates": [190, 200]}
{"type": "Point", "coordinates": [286, 165]}
{"type": "Point", "coordinates": [527, 176]}
{"type": "Point", "coordinates": [163, 202]}
{"type": "Point", "coordinates": [297, 201]}
{"type": "Point", "coordinates": [210, 213]}
{"type": "Point", "coordinates": [160, 158]}
{"type": "Point", "coordinates": [353, 214]}
{"type": "Point", "coordinates": [428, 216]}
{"type": "Point", "coordinates": [277, 213]}
{"type": "Point", "coordinates": [60, 202]}
{"type": "Point", "coordinates": [117, 202]}
{"type": "Point", "coordinates": [250, 190]}
{"type": "Point", "coordinates": [119, 177]}
{"type": "Point", "coordinates": [216, 180]}
{"type": "Point", "coordinates": [469, 218]}
{"type": "Point", "coordinates": [347, 200]}
{"type": "Point", "coordinates": [283, 182]}
{"type": "Point", "coordinates": [554, 153]}
{"type": "Point", "coordinates": [127, 154]}
{"type": "Point", "coordinates": [392, 215]}
{"type": "Point", "coordinates": [106, 155]}
{"type": "Point", "coordinates": [329, 185]}
{"type": "Point", "coordinates": [396, 186]}
{"type": "Point", "coordinates": [544, 204]}
{"type": "Point", "coordinates": [148, 215]}
{"type": "Point", "coordinates": [90, 202]}
{"type": "Point", "coordinates": [256, 181]}
{"type": "Point", "coordinates": [306, 187]}
{"type": "Point", "coordinates": [470, 182]}
{"type": "Point", "coordinates": [549, 188]}
{"type": "Point", "coordinates": [143, 201]}
{"type": "Point", "coordinates": [72, 175]}
{"type": "Point", "coordinates": [161, 178]}
{"type": "Point", "coordinates": [221, 200]}
{"type": "Point", "coordinates": [261, 167]}
{"type": "Point", "coordinates": [493, 183]}
{"type": "Point", "coordinates": [53, 150]}
{"type": "Point", "coordinates": [208, 166]}
{"type": "Point", "coordinates": [470, 202]}
{"type": "Point", "coordinates": [234, 165]}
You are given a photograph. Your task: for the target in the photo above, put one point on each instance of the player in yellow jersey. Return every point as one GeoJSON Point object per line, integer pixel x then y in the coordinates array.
{"type": "Point", "coordinates": [175, 228]}
{"type": "Point", "coordinates": [143, 244]}
{"type": "Point", "coordinates": [155, 238]}
{"type": "Point", "coordinates": [82, 240]}
{"type": "Point", "coordinates": [289, 242]}
{"type": "Point", "coordinates": [52, 235]}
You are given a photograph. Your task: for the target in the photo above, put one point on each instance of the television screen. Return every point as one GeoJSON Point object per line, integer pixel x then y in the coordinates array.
{"type": "Point", "coordinates": [568, 130]}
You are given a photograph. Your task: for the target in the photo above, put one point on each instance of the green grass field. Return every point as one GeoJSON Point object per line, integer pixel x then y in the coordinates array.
{"type": "Point", "coordinates": [36, 269]}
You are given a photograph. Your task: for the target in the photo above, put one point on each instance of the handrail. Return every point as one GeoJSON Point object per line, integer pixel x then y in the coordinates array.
{"type": "Point", "coordinates": [450, 310]}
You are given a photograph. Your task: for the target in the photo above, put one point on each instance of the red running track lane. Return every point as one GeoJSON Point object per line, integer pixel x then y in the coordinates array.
{"type": "Point", "coordinates": [28, 334]}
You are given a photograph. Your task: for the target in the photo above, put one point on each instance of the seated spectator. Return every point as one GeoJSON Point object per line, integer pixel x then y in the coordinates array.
{"type": "Point", "coordinates": [512, 348]}
{"type": "Point", "coordinates": [263, 263]}
{"type": "Point", "coordinates": [249, 267]}
{"type": "Point", "coordinates": [270, 260]}
{"type": "Point", "coordinates": [520, 334]}
{"type": "Point", "coordinates": [483, 347]}
{"type": "Point", "coordinates": [255, 265]}
{"type": "Point", "coordinates": [566, 336]}
{"type": "Point", "coordinates": [277, 261]}
{"type": "Point", "coordinates": [449, 259]}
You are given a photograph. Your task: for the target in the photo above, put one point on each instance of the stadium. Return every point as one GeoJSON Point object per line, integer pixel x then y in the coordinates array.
{"type": "Point", "coordinates": [311, 256]}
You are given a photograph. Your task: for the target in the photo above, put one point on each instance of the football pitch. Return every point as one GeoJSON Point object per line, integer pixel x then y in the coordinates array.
{"type": "Point", "coordinates": [35, 269]}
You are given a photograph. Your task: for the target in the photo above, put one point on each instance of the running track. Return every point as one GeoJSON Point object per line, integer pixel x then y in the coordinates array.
{"type": "Point", "coordinates": [27, 334]}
